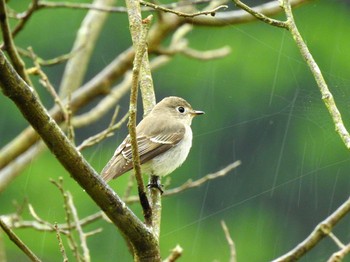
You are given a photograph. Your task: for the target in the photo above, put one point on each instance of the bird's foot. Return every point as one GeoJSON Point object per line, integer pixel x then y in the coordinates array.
{"type": "Point", "coordinates": [155, 183]}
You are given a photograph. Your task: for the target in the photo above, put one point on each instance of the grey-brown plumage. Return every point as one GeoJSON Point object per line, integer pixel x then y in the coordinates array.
{"type": "Point", "coordinates": [164, 139]}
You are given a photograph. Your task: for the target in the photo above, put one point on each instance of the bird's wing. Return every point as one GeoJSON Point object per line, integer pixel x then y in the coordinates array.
{"type": "Point", "coordinates": [149, 146]}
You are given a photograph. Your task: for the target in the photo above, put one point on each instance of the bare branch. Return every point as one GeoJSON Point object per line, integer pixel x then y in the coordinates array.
{"type": "Point", "coordinates": [17, 90]}
{"type": "Point", "coordinates": [211, 12]}
{"type": "Point", "coordinates": [230, 242]}
{"type": "Point", "coordinates": [139, 30]}
{"type": "Point", "coordinates": [10, 45]}
{"type": "Point", "coordinates": [82, 236]}
{"type": "Point", "coordinates": [339, 255]}
{"type": "Point", "coordinates": [322, 230]}
{"type": "Point", "coordinates": [60, 244]}
{"type": "Point", "coordinates": [260, 15]}
{"type": "Point", "coordinates": [336, 240]}
{"type": "Point", "coordinates": [191, 184]}
{"type": "Point", "coordinates": [175, 254]}
{"type": "Point", "coordinates": [15, 239]}
{"type": "Point", "coordinates": [70, 5]}
{"type": "Point", "coordinates": [24, 17]}
{"type": "Point", "coordinates": [103, 134]}
{"type": "Point", "coordinates": [315, 70]}
{"type": "Point", "coordinates": [83, 46]}
{"type": "Point", "coordinates": [240, 16]}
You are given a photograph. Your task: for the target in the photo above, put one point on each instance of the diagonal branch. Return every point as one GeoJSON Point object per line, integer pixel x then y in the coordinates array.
{"type": "Point", "coordinates": [322, 230]}
{"type": "Point", "coordinates": [10, 45]}
{"type": "Point", "coordinates": [20, 93]}
{"type": "Point", "coordinates": [15, 239]}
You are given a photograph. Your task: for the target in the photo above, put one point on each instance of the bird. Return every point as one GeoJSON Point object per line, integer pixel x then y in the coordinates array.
{"type": "Point", "coordinates": [164, 139]}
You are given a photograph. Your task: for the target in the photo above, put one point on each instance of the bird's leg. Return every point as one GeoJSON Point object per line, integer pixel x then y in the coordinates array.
{"type": "Point", "coordinates": [155, 183]}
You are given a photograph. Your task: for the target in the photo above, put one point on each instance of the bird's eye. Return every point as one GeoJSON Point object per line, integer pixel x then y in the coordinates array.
{"type": "Point", "coordinates": [180, 109]}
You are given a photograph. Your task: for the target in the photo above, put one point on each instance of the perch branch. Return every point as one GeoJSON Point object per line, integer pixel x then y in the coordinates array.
{"type": "Point", "coordinates": [131, 227]}
{"type": "Point", "coordinates": [191, 184]}
{"type": "Point", "coordinates": [15, 239]}
{"type": "Point", "coordinates": [139, 30]}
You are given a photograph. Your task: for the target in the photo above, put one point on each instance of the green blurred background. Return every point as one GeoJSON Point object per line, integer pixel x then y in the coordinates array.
{"type": "Point", "coordinates": [262, 107]}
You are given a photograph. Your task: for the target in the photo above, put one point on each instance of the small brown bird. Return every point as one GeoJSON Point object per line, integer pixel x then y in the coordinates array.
{"type": "Point", "coordinates": [164, 140]}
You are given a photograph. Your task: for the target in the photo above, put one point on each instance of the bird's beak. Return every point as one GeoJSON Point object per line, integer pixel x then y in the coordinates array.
{"type": "Point", "coordinates": [197, 112]}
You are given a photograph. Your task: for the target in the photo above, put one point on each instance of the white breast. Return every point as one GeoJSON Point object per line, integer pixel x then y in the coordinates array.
{"type": "Point", "coordinates": [167, 162]}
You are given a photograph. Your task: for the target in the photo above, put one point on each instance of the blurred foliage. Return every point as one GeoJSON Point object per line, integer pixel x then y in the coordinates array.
{"type": "Point", "coordinates": [262, 106]}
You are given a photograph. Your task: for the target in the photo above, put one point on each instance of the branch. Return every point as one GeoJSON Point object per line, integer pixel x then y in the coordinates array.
{"type": "Point", "coordinates": [82, 235]}
{"type": "Point", "coordinates": [20, 93]}
{"type": "Point", "coordinates": [15, 239]}
{"type": "Point", "coordinates": [191, 184]}
{"type": "Point", "coordinates": [325, 227]}
{"type": "Point", "coordinates": [322, 230]}
{"type": "Point", "coordinates": [24, 17]}
{"type": "Point", "coordinates": [175, 254]}
{"type": "Point", "coordinates": [230, 242]}
{"type": "Point", "coordinates": [338, 256]}
{"type": "Point", "coordinates": [260, 15]}
{"type": "Point", "coordinates": [60, 244]}
{"type": "Point", "coordinates": [84, 44]}
{"type": "Point", "coordinates": [139, 31]}
{"type": "Point", "coordinates": [211, 12]}
{"type": "Point", "coordinates": [239, 16]}
{"type": "Point", "coordinates": [10, 45]}
{"type": "Point", "coordinates": [105, 133]}
{"type": "Point", "coordinates": [315, 70]}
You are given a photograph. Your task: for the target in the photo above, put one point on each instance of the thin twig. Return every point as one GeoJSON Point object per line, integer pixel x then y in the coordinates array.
{"type": "Point", "coordinates": [118, 9]}
{"type": "Point", "coordinates": [19, 243]}
{"type": "Point", "coordinates": [44, 80]}
{"type": "Point", "coordinates": [240, 16]}
{"type": "Point", "coordinates": [37, 218]}
{"type": "Point", "coordinates": [211, 12]}
{"type": "Point", "coordinates": [339, 255]}
{"type": "Point", "coordinates": [82, 236]}
{"type": "Point", "coordinates": [191, 184]}
{"type": "Point", "coordinates": [10, 45]}
{"type": "Point", "coordinates": [103, 134]}
{"type": "Point", "coordinates": [16, 222]}
{"type": "Point", "coordinates": [322, 230]}
{"type": "Point", "coordinates": [260, 16]}
{"type": "Point", "coordinates": [325, 227]}
{"type": "Point", "coordinates": [230, 242]}
{"type": "Point", "coordinates": [60, 244]}
{"type": "Point", "coordinates": [83, 46]}
{"type": "Point", "coordinates": [336, 240]}
{"type": "Point", "coordinates": [25, 16]}
{"type": "Point", "coordinates": [70, 5]}
{"type": "Point", "coordinates": [48, 62]}
{"type": "Point", "coordinates": [315, 70]}
{"type": "Point", "coordinates": [199, 55]}
{"type": "Point", "coordinates": [175, 254]}
{"type": "Point", "coordinates": [69, 219]}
